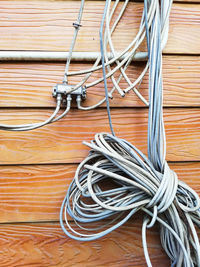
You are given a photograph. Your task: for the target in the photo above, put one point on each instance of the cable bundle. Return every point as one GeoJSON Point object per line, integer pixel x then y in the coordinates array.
{"type": "Point", "coordinates": [120, 61]}
{"type": "Point", "coordinates": [114, 61]}
{"type": "Point", "coordinates": [116, 180]}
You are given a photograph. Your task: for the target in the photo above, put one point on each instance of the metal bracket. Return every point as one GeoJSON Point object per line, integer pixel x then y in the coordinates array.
{"type": "Point", "coordinates": [66, 89]}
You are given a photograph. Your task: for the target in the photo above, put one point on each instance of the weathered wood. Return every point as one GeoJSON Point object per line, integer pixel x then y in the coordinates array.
{"type": "Point", "coordinates": [30, 84]}
{"type": "Point", "coordinates": [47, 25]}
{"type": "Point", "coordinates": [61, 142]}
{"type": "Point", "coordinates": [35, 193]}
{"type": "Point", "coordinates": [187, 1]}
{"type": "Point", "coordinates": [46, 245]}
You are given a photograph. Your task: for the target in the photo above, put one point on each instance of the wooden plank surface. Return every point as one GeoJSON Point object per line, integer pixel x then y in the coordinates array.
{"type": "Point", "coordinates": [47, 25]}
{"type": "Point", "coordinates": [187, 1]}
{"type": "Point", "coordinates": [35, 192]}
{"type": "Point", "coordinates": [46, 245]}
{"type": "Point", "coordinates": [61, 142]}
{"type": "Point", "coordinates": [30, 84]}
{"type": "Point", "coordinates": [31, 192]}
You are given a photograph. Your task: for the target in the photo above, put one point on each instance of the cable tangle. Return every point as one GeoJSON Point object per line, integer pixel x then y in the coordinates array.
{"type": "Point", "coordinates": [115, 61]}
{"type": "Point", "coordinates": [117, 180]}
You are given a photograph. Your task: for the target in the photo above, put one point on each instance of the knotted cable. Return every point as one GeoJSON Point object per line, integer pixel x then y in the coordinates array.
{"type": "Point", "coordinates": [132, 184]}
{"type": "Point", "coordinates": [117, 180]}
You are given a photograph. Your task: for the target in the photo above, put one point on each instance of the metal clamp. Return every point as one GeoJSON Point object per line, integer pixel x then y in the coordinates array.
{"type": "Point", "coordinates": [76, 25]}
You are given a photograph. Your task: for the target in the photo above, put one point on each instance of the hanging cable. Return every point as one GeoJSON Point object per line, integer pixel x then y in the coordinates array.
{"type": "Point", "coordinates": [118, 61]}
{"type": "Point", "coordinates": [104, 69]}
{"type": "Point", "coordinates": [116, 180]}
{"type": "Point", "coordinates": [59, 95]}
{"type": "Point", "coordinates": [77, 26]}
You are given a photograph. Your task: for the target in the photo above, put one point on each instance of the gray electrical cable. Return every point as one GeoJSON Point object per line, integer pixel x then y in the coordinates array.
{"type": "Point", "coordinates": [121, 60]}
{"type": "Point", "coordinates": [76, 25]}
{"type": "Point", "coordinates": [134, 182]}
{"type": "Point", "coordinates": [59, 98]}
{"type": "Point", "coordinates": [127, 55]}
{"type": "Point", "coordinates": [103, 68]}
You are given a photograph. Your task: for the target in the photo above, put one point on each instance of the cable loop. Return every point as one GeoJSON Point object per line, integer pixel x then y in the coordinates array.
{"type": "Point", "coordinates": [154, 218]}
{"type": "Point", "coordinates": [166, 191]}
{"type": "Point", "coordinates": [116, 180]}
{"type": "Point", "coordinates": [131, 184]}
{"type": "Point", "coordinates": [116, 65]}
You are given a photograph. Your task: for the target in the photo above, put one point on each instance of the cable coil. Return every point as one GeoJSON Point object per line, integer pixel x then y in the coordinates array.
{"type": "Point", "coordinates": [116, 180]}
{"type": "Point", "coordinates": [132, 184]}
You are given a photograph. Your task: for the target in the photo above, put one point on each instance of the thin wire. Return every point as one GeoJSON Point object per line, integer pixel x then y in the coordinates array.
{"type": "Point", "coordinates": [76, 25]}
{"type": "Point", "coordinates": [52, 118]}
{"type": "Point", "coordinates": [121, 64]}
{"type": "Point", "coordinates": [103, 66]}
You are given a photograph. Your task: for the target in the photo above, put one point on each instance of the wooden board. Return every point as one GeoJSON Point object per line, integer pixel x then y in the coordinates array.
{"type": "Point", "coordinates": [35, 192]}
{"type": "Point", "coordinates": [47, 25]}
{"type": "Point", "coordinates": [36, 167]}
{"type": "Point", "coordinates": [46, 245]}
{"type": "Point", "coordinates": [30, 84]}
{"type": "Point", "coordinates": [61, 142]}
{"type": "Point", "coordinates": [187, 1]}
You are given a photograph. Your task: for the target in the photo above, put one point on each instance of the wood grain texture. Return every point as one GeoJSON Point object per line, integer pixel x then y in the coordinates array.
{"type": "Point", "coordinates": [187, 1]}
{"type": "Point", "coordinates": [47, 25]}
{"type": "Point", "coordinates": [30, 84]}
{"type": "Point", "coordinates": [46, 245]}
{"type": "Point", "coordinates": [32, 194]}
{"type": "Point", "coordinates": [35, 193]}
{"type": "Point", "coordinates": [61, 142]}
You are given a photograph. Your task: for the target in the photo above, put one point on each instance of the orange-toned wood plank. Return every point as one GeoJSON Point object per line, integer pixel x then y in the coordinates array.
{"type": "Point", "coordinates": [30, 84]}
{"type": "Point", "coordinates": [175, 1]}
{"type": "Point", "coordinates": [35, 193]}
{"type": "Point", "coordinates": [47, 25]}
{"type": "Point", "coordinates": [181, 1]}
{"type": "Point", "coordinates": [46, 245]}
{"type": "Point", "coordinates": [62, 141]}
{"type": "Point", "coordinates": [187, 1]}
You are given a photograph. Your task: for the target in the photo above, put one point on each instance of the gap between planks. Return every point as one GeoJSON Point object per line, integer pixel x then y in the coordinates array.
{"type": "Point", "coordinates": [46, 245]}
{"type": "Point", "coordinates": [35, 193]}
{"type": "Point", "coordinates": [47, 26]}
{"type": "Point", "coordinates": [62, 141]}
{"type": "Point", "coordinates": [30, 84]}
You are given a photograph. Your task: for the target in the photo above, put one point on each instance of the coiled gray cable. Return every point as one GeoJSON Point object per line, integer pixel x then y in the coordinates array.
{"type": "Point", "coordinates": [116, 180]}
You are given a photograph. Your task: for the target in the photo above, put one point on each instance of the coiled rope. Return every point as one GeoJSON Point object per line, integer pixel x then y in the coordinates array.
{"type": "Point", "coordinates": [116, 180]}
